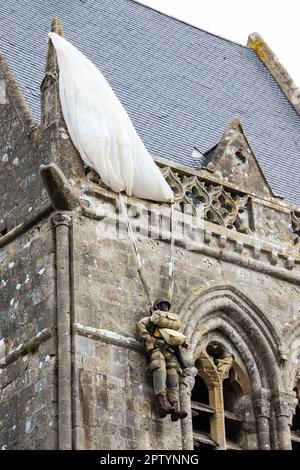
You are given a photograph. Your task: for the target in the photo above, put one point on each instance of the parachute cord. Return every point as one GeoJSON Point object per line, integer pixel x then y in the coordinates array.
{"type": "Point", "coordinates": [135, 250]}
{"type": "Point", "coordinates": [171, 255]}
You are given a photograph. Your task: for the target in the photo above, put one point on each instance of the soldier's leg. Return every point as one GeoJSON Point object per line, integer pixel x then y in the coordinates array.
{"type": "Point", "coordinates": [172, 377]}
{"type": "Point", "coordinates": [159, 374]}
{"type": "Point", "coordinates": [158, 369]}
{"type": "Point", "coordinates": [173, 371]}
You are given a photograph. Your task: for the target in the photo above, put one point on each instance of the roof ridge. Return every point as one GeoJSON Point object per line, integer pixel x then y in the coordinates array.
{"type": "Point", "coordinates": [140, 2]}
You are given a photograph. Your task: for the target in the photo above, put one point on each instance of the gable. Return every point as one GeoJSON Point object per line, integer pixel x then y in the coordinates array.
{"type": "Point", "coordinates": [233, 161]}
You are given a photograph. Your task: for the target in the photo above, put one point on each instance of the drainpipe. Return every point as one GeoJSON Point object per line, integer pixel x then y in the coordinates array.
{"type": "Point", "coordinates": [62, 224]}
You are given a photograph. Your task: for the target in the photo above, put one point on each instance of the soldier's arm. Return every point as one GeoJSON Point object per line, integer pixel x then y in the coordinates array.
{"type": "Point", "coordinates": [143, 325]}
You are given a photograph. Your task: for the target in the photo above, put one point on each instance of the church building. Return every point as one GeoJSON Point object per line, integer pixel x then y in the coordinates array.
{"type": "Point", "coordinates": [222, 123]}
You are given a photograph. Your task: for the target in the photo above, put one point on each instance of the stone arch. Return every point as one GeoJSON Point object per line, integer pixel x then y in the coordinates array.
{"type": "Point", "coordinates": [227, 312]}
{"type": "Point", "coordinates": [240, 380]}
{"type": "Point", "coordinates": [291, 372]}
{"type": "Point", "coordinates": [228, 309]}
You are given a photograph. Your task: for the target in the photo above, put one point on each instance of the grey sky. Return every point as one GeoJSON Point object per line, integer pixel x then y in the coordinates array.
{"type": "Point", "coordinates": [277, 21]}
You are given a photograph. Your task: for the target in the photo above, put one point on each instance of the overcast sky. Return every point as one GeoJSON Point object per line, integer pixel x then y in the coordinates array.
{"type": "Point", "coordinates": [277, 21]}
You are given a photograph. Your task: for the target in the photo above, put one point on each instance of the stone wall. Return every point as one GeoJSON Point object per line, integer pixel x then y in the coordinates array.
{"type": "Point", "coordinates": [28, 399]}
{"type": "Point", "coordinates": [21, 187]}
{"type": "Point", "coordinates": [109, 300]}
{"type": "Point", "coordinates": [225, 288]}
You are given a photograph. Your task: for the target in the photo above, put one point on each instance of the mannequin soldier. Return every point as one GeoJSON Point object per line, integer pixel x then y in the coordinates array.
{"type": "Point", "coordinates": [162, 350]}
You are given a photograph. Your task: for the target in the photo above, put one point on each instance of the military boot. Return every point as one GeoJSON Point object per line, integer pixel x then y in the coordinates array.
{"type": "Point", "coordinates": [162, 405]}
{"type": "Point", "coordinates": [176, 414]}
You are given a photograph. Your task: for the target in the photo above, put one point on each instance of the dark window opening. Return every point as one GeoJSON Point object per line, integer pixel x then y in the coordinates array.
{"type": "Point", "coordinates": [229, 395]}
{"type": "Point", "coordinates": [295, 428]}
{"type": "Point", "coordinates": [240, 158]}
{"type": "Point", "coordinates": [233, 424]}
{"type": "Point", "coordinates": [215, 350]}
{"type": "Point", "coordinates": [233, 429]}
{"type": "Point", "coordinates": [296, 421]}
{"type": "Point", "coordinates": [201, 422]}
{"type": "Point", "coordinates": [295, 444]}
{"type": "Point", "coordinates": [201, 413]}
{"type": "Point", "coordinates": [200, 392]}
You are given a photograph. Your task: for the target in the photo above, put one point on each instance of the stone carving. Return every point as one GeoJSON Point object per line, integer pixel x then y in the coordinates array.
{"type": "Point", "coordinates": [223, 366]}
{"type": "Point", "coordinates": [296, 226]}
{"type": "Point", "coordinates": [221, 206]}
{"type": "Point", "coordinates": [207, 369]}
{"type": "Point", "coordinates": [213, 372]}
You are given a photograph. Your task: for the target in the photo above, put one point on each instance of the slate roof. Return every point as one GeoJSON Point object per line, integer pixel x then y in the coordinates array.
{"type": "Point", "coordinates": [180, 85]}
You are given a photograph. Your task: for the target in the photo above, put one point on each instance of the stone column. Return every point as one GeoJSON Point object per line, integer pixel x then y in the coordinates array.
{"type": "Point", "coordinates": [284, 407]}
{"type": "Point", "coordinates": [261, 405]}
{"type": "Point", "coordinates": [186, 384]}
{"type": "Point", "coordinates": [61, 225]}
{"type": "Point", "coordinates": [217, 420]}
{"type": "Point", "coordinates": [214, 374]}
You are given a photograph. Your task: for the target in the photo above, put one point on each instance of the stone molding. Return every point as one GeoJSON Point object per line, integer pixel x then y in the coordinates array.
{"type": "Point", "coordinates": [28, 345]}
{"type": "Point", "coordinates": [108, 336]}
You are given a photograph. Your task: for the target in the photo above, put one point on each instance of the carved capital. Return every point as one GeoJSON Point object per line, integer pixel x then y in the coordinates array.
{"type": "Point", "coordinates": [61, 219]}
{"type": "Point", "coordinates": [223, 366]}
{"type": "Point", "coordinates": [285, 405]}
{"type": "Point", "coordinates": [207, 369]}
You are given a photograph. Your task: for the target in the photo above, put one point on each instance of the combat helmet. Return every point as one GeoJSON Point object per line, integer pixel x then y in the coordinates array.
{"type": "Point", "coordinates": [159, 301]}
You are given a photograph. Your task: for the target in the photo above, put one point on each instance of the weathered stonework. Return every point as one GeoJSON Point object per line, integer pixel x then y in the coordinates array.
{"type": "Point", "coordinates": [72, 370]}
{"type": "Point", "coordinates": [282, 77]}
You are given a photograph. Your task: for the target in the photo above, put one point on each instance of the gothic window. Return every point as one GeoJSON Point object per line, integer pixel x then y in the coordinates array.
{"type": "Point", "coordinates": [217, 401]}
{"type": "Point", "coordinates": [295, 428]}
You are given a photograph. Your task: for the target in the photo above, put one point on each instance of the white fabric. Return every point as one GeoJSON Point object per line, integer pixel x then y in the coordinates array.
{"type": "Point", "coordinates": [172, 337]}
{"type": "Point", "coordinates": [102, 131]}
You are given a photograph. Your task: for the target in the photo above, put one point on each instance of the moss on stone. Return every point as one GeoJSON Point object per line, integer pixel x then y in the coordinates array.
{"type": "Point", "coordinates": [30, 348]}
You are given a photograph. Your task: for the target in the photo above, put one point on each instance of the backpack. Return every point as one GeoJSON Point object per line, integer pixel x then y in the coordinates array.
{"type": "Point", "coordinates": [165, 320]}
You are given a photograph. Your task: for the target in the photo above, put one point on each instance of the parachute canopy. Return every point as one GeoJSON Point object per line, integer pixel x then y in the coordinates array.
{"type": "Point", "coordinates": [101, 129]}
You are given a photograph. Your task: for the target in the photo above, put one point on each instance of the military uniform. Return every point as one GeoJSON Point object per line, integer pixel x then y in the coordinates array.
{"type": "Point", "coordinates": [163, 362]}
{"type": "Point", "coordinates": [160, 334]}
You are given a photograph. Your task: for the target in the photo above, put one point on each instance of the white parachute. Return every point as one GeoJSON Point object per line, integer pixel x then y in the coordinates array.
{"type": "Point", "coordinates": [101, 129]}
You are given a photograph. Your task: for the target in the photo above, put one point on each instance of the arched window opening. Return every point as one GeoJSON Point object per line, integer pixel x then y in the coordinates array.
{"type": "Point", "coordinates": [218, 400]}
{"type": "Point", "coordinates": [200, 392]}
{"type": "Point", "coordinates": [233, 423]}
{"type": "Point", "coordinates": [295, 428]}
{"type": "Point", "coordinates": [201, 413]}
